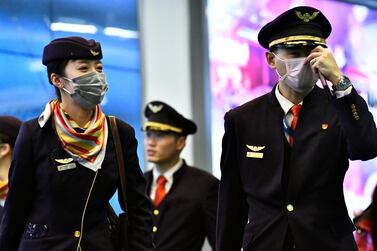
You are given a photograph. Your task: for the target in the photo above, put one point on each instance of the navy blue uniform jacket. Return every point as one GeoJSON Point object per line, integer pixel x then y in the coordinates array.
{"type": "Point", "coordinates": [44, 206]}
{"type": "Point", "coordinates": [188, 212]}
{"type": "Point", "coordinates": [254, 209]}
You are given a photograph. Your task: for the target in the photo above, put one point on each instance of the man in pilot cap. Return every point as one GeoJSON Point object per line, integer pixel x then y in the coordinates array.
{"type": "Point", "coordinates": [285, 154]}
{"type": "Point", "coordinates": [9, 127]}
{"type": "Point", "coordinates": [184, 198]}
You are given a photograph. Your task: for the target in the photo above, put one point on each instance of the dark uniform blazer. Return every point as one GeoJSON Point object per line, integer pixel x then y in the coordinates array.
{"type": "Point", "coordinates": [254, 209]}
{"type": "Point", "coordinates": [188, 212]}
{"type": "Point", "coordinates": [44, 207]}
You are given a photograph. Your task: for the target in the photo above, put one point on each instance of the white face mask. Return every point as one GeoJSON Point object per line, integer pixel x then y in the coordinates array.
{"type": "Point", "coordinates": [299, 76]}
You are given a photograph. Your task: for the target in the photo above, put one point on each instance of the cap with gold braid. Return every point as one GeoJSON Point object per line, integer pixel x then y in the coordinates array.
{"type": "Point", "coordinates": [298, 26]}
{"type": "Point", "coordinates": [162, 117]}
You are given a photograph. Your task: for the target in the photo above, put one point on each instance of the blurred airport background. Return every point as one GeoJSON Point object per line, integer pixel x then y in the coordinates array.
{"type": "Point", "coordinates": [202, 57]}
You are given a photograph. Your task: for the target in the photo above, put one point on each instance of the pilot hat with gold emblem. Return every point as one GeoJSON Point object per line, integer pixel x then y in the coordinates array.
{"type": "Point", "coordinates": [298, 26]}
{"type": "Point", "coordinates": [162, 117]}
{"type": "Point", "coordinates": [71, 48]}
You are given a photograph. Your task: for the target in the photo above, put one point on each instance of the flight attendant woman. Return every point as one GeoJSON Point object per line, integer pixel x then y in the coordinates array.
{"type": "Point", "coordinates": [64, 169]}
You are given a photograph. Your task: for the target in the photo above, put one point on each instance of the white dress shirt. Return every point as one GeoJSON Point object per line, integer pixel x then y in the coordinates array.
{"type": "Point", "coordinates": [168, 176]}
{"type": "Point", "coordinates": [286, 105]}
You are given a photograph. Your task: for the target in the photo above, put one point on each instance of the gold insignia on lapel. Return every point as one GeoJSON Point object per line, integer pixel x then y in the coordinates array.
{"type": "Point", "coordinates": [64, 161]}
{"type": "Point", "coordinates": [155, 108]}
{"type": "Point", "coordinates": [255, 152]}
{"type": "Point", "coordinates": [306, 17]}
{"type": "Point", "coordinates": [94, 53]}
{"type": "Point", "coordinates": [325, 126]}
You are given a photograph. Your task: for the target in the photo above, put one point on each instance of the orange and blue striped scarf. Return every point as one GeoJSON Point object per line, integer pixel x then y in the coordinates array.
{"type": "Point", "coordinates": [89, 147]}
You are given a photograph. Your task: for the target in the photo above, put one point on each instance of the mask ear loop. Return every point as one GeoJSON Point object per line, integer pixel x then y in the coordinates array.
{"type": "Point", "coordinates": [283, 60]}
{"type": "Point", "coordinates": [71, 81]}
{"type": "Point", "coordinates": [280, 76]}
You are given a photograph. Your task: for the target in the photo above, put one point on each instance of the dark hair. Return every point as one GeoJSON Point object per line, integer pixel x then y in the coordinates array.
{"type": "Point", "coordinates": [5, 139]}
{"type": "Point", "coordinates": [178, 135]}
{"type": "Point", "coordinates": [57, 67]}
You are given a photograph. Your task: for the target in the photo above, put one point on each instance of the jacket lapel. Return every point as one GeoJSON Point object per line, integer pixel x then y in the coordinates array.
{"type": "Point", "coordinates": [308, 126]}
{"type": "Point", "coordinates": [176, 181]}
{"type": "Point", "coordinates": [148, 178]}
{"type": "Point", "coordinates": [276, 132]}
{"type": "Point", "coordinates": [177, 176]}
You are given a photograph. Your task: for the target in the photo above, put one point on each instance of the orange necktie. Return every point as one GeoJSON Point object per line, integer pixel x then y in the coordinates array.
{"type": "Point", "coordinates": [295, 111]}
{"type": "Point", "coordinates": [160, 191]}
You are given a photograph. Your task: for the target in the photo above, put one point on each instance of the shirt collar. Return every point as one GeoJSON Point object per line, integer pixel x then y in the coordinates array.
{"type": "Point", "coordinates": [169, 173]}
{"type": "Point", "coordinates": [285, 104]}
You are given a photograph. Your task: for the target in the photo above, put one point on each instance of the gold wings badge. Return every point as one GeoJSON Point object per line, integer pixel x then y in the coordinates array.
{"type": "Point", "coordinates": [306, 17]}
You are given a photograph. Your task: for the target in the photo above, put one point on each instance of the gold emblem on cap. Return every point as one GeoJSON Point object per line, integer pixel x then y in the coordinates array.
{"type": "Point", "coordinates": [94, 53]}
{"type": "Point", "coordinates": [155, 108]}
{"type": "Point", "coordinates": [306, 17]}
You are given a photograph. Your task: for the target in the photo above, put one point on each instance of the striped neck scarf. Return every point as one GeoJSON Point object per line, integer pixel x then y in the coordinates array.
{"type": "Point", "coordinates": [87, 147]}
{"type": "Point", "coordinates": [3, 189]}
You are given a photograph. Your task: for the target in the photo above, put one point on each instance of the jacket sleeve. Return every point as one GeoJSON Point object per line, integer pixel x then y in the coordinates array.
{"type": "Point", "coordinates": [373, 207]}
{"type": "Point", "coordinates": [358, 125]}
{"type": "Point", "coordinates": [21, 192]}
{"type": "Point", "coordinates": [139, 207]}
{"type": "Point", "coordinates": [210, 210]}
{"type": "Point", "coordinates": [232, 208]}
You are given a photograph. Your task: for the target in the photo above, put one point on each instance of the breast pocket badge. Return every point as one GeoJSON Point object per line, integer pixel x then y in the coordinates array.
{"type": "Point", "coordinates": [66, 164]}
{"type": "Point", "coordinates": [255, 152]}
{"type": "Point", "coordinates": [62, 160]}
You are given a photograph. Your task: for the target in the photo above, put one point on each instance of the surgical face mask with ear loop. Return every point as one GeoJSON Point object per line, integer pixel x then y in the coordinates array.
{"type": "Point", "coordinates": [299, 76]}
{"type": "Point", "coordinates": [88, 90]}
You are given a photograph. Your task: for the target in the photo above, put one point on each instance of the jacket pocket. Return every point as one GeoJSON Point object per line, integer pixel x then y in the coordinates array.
{"type": "Point", "coordinates": [35, 231]}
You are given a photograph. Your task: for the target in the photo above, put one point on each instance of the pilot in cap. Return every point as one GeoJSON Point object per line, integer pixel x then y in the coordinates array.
{"type": "Point", "coordinates": [71, 48]}
{"type": "Point", "coordinates": [299, 26]}
{"type": "Point", "coordinates": [162, 117]}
